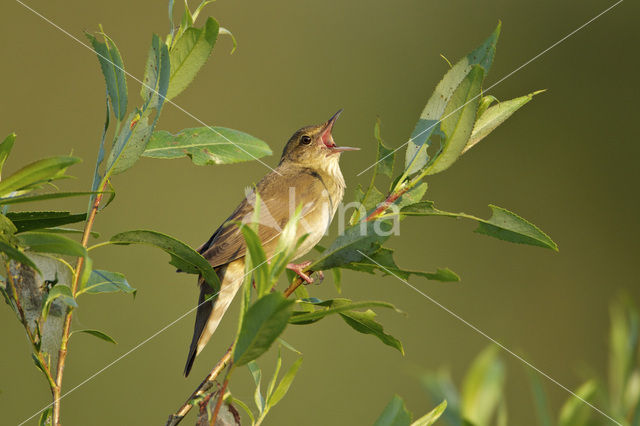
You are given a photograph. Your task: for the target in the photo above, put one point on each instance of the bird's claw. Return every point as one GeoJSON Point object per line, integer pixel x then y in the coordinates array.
{"type": "Point", "coordinates": [299, 268]}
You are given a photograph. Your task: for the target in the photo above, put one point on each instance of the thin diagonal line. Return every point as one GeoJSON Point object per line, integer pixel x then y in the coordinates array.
{"type": "Point", "coordinates": [503, 347]}
{"type": "Point", "coordinates": [136, 347]}
{"type": "Point", "coordinates": [499, 81]}
{"type": "Point", "coordinates": [144, 84]}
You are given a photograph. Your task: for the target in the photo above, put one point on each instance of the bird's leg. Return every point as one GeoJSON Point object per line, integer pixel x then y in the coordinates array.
{"type": "Point", "coordinates": [299, 268]}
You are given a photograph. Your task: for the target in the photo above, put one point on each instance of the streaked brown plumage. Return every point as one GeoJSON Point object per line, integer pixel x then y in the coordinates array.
{"type": "Point", "coordinates": [309, 175]}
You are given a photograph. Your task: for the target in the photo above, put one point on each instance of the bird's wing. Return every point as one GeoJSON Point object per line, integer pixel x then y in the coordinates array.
{"type": "Point", "coordinates": [227, 243]}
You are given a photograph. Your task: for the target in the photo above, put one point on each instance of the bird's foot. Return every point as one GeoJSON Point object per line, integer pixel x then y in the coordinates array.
{"type": "Point", "coordinates": [299, 268]}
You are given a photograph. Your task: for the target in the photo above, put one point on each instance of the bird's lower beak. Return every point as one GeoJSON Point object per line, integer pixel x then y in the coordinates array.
{"type": "Point", "coordinates": [327, 137]}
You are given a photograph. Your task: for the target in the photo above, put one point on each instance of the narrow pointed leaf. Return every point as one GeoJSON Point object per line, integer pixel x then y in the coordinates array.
{"type": "Point", "coordinates": [458, 119]}
{"type": "Point", "coordinates": [27, 221]}
{"type": "Point", "coordinates": [207, 145]}
{"type": "Point", "coordinates": [382, 260]}
{"type": "Point", "coordinates": [358, 240]}
{"type": "Point", "coordinates": [364, 322]}
{"type": "Point", "coordinates": [394, 414]}
{"type": "Point", "coordinates": [483, 387]}
{"type": "Point", "coordinates": [38, 172]}
{"type": "Point", "coordinates": [264, 321]}
{"type": "Point", "coordinates": [98, 334]}
{"type": "Point", "coordinates": [575, 412]}
{"type": "Point", "coordinates": [432, 416]}
{"type": "Point", "coordinates": [494, 116]}
{"type": "Point", "coordinates": [502, 224]}
{"type": "Point", "coordinates": [41, 197]}
{"type": "Point", "coordinates": [285, 383]}
{"type": "Point", "coordinates": [5, 149]}
{"type": "Point", "coordinates": [182, 256]}
{"type": "Point", "coordinates": [256, 373]}
{"type": "Point", "coordinates": [45, 242]}
{"type": "Point", "coordinates": [15, 254]}
{"type": "Point", "coordinates": [113, 72]}
{"type": "Point", "coordinates": [101, 281]}
{"type": "Point", "coordinates": [189, 53]}
{"type": "Point", "coordinates": [416, 155]}
{"type": "Point", "coordinates": [335, 306]}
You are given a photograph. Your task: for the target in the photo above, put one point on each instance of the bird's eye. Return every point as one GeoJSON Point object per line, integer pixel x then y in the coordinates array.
{"type": "Point", "coordinates": [306, 140]}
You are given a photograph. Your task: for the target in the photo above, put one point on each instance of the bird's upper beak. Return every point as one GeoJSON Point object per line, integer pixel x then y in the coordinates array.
{"type": "Point", "coordinates": [327, 138]}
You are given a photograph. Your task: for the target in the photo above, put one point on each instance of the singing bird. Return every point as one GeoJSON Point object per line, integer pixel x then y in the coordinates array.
{"type": "Point", "coordinates": [308, 175]}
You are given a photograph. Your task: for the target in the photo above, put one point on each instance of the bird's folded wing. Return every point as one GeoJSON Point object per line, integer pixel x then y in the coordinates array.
{"type": "Point", "coordinates": [279, 198]}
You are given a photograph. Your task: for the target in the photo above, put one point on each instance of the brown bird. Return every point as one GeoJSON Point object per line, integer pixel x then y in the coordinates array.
{"type": "Point", "coordinates": [308, 175]}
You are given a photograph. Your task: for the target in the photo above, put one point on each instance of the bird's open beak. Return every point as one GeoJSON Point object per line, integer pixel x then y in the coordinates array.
{"type": "Point", "coordinates": [327, 138]}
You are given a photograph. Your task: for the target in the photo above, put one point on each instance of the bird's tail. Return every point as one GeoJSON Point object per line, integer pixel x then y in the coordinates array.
{"type": "Point", "coordinates": [211, 309]}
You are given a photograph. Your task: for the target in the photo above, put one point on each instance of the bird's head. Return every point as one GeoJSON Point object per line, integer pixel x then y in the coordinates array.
{"type": "Point", "coordinates": [313, 146]}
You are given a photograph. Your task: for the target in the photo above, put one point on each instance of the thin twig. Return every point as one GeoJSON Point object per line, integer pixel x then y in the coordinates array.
{"type": "Point", "coordinates": [62, 354]}
{"type": "Point", "coordinates": [221, 396]}
{"type": "Point", "coordinates": [207, 383]}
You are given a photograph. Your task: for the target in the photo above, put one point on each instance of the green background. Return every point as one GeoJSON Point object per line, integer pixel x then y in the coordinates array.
{"type": "Point", "coordinates": [567, 162]}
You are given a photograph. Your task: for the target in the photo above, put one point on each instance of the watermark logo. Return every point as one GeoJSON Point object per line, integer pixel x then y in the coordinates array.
{"type": "Point", "coordinates": [318, 213]}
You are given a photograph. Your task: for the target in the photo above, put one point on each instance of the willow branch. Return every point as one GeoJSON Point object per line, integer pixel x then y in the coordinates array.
{"type": "Point", "coordinates": [62, 354]}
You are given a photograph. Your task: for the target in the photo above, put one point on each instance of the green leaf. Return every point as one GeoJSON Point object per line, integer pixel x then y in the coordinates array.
{"type": "Point", "coordinates": [458, 119]}
{"type": "Point", "coordinates": [365, 323]}
{"type": "Point", "coordinates": [356, 241]}
{"type": "Point", "coordinates": [416, 156]}
{"type": "Point", "coordinates": [37, 173]}
{"type": "Point", "coordinates": [394, 414]}
{"type": "Point", "coordinates": [5, 149]}
{"type": "Point", "coordinates": [106, 282]}
{"type": "Point", "coordinates": [287, 246]}
{"type": "Point", "coordinates": [439, 386]}
{"type": "Point", "coordinates": [157, 73]}
{"type": "Point", "coordinates": [244, 406]}
{"type": "Point", "coordinates": [334, 306]}
{"type": "Point", "coordinates": [382, 260]}
{"type": "Point", "coordinates": [258, 260]}
{"type": "Point", "coordinates": [27, 221]}
{"type": "Point", "coordinates": [207, 145]}
{"type": "Point", "coordinates": [274, 378]}
{"type": "Point", "coordinates": [189, 53]}
{"type": "Point", "coordinates": [485, 103]}
{"type": "Point", "coordinates": [98, 334]}
{"type": "Point", "coordinates": [45, 242]}
{"type": "Point", "coordinates": [44, 417]}
{"type": "Point", "coordinates": [483, 387]}
{"type": "Point", "coordinates": [113, 71]}
{"type": "Point", "coordinates": [256, 373]}
{"type": "Point", "coordinates": [623, 353]}
{"type": "Point", "coordinates": [134, 137]}
{"type": "Point", "coordinates": [540, 399]}
{"type": "Point", "coordinates": [182, 256]}
{"type": "Point", "coordinates": [58, 291]}
{"type": "Point", "coordinates": [41, 197]}
{"type": "Point", "coordinates": [432, 416]}
{"type": "Point", "coordinates": [284, 385]}
{"type": "Point", "coordinates": [575, 412]}
{"type": "Point", "coordinates": [494, 116]}
{"type": "Point", "coordinates": [508, 226]}
{"type": "Point", "coordinates": [13, 253]}
{"type": "Point", "coordinates": [502, 224]}
{"type": "Point", "coordinates": [264, 321]}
